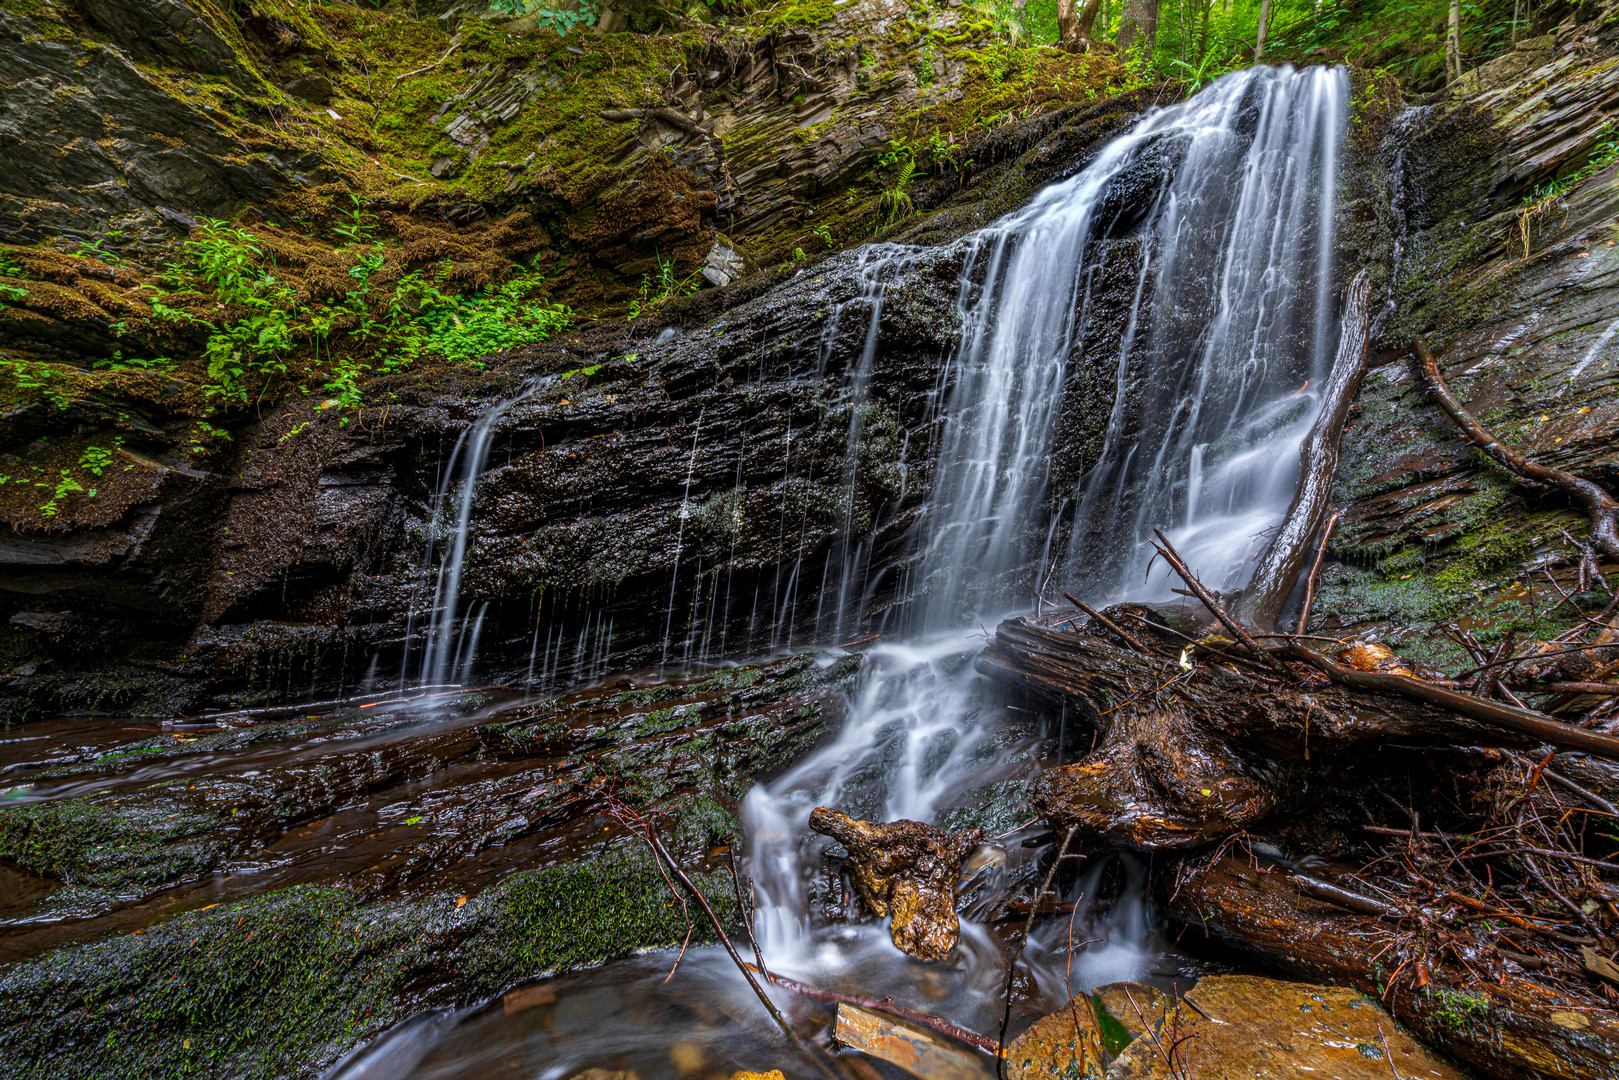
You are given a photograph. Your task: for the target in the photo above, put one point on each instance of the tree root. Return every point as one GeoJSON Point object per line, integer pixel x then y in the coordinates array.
{"type": "Point", "coordinates": [1602, 507]}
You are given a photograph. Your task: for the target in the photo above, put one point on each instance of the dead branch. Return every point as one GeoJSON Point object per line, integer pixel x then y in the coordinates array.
{"type": "Point", "coordinates": [1602, 507]}
{"type": "Point", "coordinates": [1315, 572]}
{"type": "Point", "coordinates": [1279, 564]}
{"type": "Point", "coordinates": [1526, 721]}
{"type": "Point", "coordinates": [1167, 550]}
{"type": "Point", "coordinates": [886, 1005]}
{"type": "Point", "coordinates": [1105, 621]}
{"type": "Point", "coordinates": [643, 829]}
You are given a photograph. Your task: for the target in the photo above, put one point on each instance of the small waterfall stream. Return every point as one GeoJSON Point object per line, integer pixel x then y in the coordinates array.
{"type": "Point", "coordinates": [452, 645]}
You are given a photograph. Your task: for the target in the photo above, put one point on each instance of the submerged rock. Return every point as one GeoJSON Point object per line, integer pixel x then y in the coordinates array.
{"type": "Point", "coordinates": [1067, 1045]}
{"type": "Point", "coordinates": [906, 870]}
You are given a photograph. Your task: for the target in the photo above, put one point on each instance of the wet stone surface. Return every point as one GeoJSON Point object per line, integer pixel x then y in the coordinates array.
{"type": "Point", "coordinates": [378, 862]}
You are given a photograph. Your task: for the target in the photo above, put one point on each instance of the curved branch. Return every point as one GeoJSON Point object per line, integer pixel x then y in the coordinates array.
{"type": "Point", "coordinates": [1603, 508]}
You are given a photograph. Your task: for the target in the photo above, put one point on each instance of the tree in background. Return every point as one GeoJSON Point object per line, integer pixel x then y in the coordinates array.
{"type": "Point", "coordinates": [1074, 28]}
{"type": "Point", "coordinates": [1138, 29]}
{"type": "Point", "coordinates": [1259, 40]}
{"type": "Point", "coordinates": [1453, 42]}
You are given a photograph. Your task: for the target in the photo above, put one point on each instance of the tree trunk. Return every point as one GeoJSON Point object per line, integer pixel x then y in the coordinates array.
{"type": "Point", "coordinates": [1074, 28]}
{"type": "Point", "coordinates": [1453, 41]}
{"type": "Point", "coordinates": [1259, 42]}
{"type": "Point", "coordinates": [1138, 28]}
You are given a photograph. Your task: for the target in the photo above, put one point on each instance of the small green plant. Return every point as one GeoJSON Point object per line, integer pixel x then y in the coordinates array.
{"type": "Point", "coordinates": [1205, 71]}
{"type": "Point", "coordinates": [260, 331]}
{"type": "Point", "coordinates": [925, 74]}
{"type": "Point", "coordinates": [798, 255]}
{"type": "Point", "coordinates": [549, 18]}
{"type": "Point", "coordinates": [65, 485]}
{"type": "Point", "coordinates": [95, 459]}
{"type": "Point", "coordinates": [10, 269]}
{"type": "Point", "coordinates": [943, 151]}
{"type": "Point", "coordinates": [823, 233]}
{"type": "Point", "coordinates": [660, 289]}
{"type": "Point", "coordinates": [97, 249]}
{"type": "Point", "coordinates": [901, 156]}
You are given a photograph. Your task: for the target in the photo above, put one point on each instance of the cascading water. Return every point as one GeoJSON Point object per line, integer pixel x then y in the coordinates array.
{"type": "Point", "coordinates": [451, 645]}
{"type": "Point", "coordinates": [1233, 315]}
{"type": "Point", "coordinates": [1230, 339]}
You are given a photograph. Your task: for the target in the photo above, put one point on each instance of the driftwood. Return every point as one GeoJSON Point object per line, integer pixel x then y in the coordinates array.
{"type": "Point", "coordinates": [1501, 1021]}
{"type": "Point", "coordinates": [905, 870]}
{"type": "Point", "coordinates": [1602, 507]}
{"type": "Point", "coordinates": [1284, 557]}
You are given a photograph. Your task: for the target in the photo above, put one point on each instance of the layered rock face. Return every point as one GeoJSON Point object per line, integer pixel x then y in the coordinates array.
{"type": "Point", "coordinates": [675, 488]}
{"type": "Point", "coordinates": [1497, 214]}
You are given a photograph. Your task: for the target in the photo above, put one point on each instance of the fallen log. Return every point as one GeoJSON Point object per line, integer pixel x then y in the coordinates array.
{"type": "Point", "coordinates": [1184, 758]}
{"type": "Point", "coordinates": [1283, 559]}
{"type": "Point", "coordinates": [1507, 1025]}
{"type": "Point", "coordinates": [1602, 507]}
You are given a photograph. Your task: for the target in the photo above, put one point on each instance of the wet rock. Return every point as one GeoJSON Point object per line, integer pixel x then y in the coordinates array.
{"type": "Point", "coordinates": [906, 870]}
{"type": "Point", "coordinates": [121, 146]}
{"type": "Point", "coordinates": [1067, 1045]}
{"type": "Point", "coordinates": [1136, 1007]}
{"type": "Point", "coordinates": [920, 1051]}
{"type": "Point", "coordinates": [1243, 1026]}
{"type": "Point", "coordinates": [1508, 1026]}
{"type": "Point", "coordinates": [316, 89]}
{"type": "Point", "coordinates": [320, 969]}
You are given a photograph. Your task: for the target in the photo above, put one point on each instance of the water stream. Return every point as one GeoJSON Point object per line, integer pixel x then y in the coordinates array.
{"type": "Point", "coordinates": [1204, 439]}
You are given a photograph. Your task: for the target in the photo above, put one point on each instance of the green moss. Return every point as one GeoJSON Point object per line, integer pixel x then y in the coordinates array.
{"type": "Point", "coordinates": [140, 839]}
{"type": "Point", "coordinates": [793, 13]}
{"type": "Point", "coordinates": [279, 985]}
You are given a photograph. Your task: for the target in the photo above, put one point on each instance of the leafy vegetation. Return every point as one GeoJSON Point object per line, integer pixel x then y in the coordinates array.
{"type": "Point", "coordinates": [262, 335]}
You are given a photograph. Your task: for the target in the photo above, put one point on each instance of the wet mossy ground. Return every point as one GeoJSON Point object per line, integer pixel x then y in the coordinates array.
{"type": "Point", "coordinates": [282, 985]}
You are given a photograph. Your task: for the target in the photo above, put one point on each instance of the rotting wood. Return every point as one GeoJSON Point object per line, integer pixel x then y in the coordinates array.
{"type": "Point", "coordinates": [1283, 558]}
{"type": "Point", "coordinates": [1602, 507]}
{"type": "Point", "coordinates": [1210, 601]}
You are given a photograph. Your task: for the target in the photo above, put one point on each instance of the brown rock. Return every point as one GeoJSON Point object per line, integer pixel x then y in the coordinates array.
{"type": "Point", "coordinates": [1136, 1007]}
{"type": "Point", "coordinates": [1067, 1045]}
{"type": "Point", "coordinates": [906, 870]}
{"type": "Point", "coordinates": [1252, 1028]}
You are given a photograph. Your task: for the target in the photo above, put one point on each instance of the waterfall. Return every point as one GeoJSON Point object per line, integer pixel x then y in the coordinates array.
{"type": "Point", "coordinates": [1231, 322]}
{"type": "Point", "coordinates": [1231, 337]}
{"type": "Point", "coordinates": [451, 650]}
